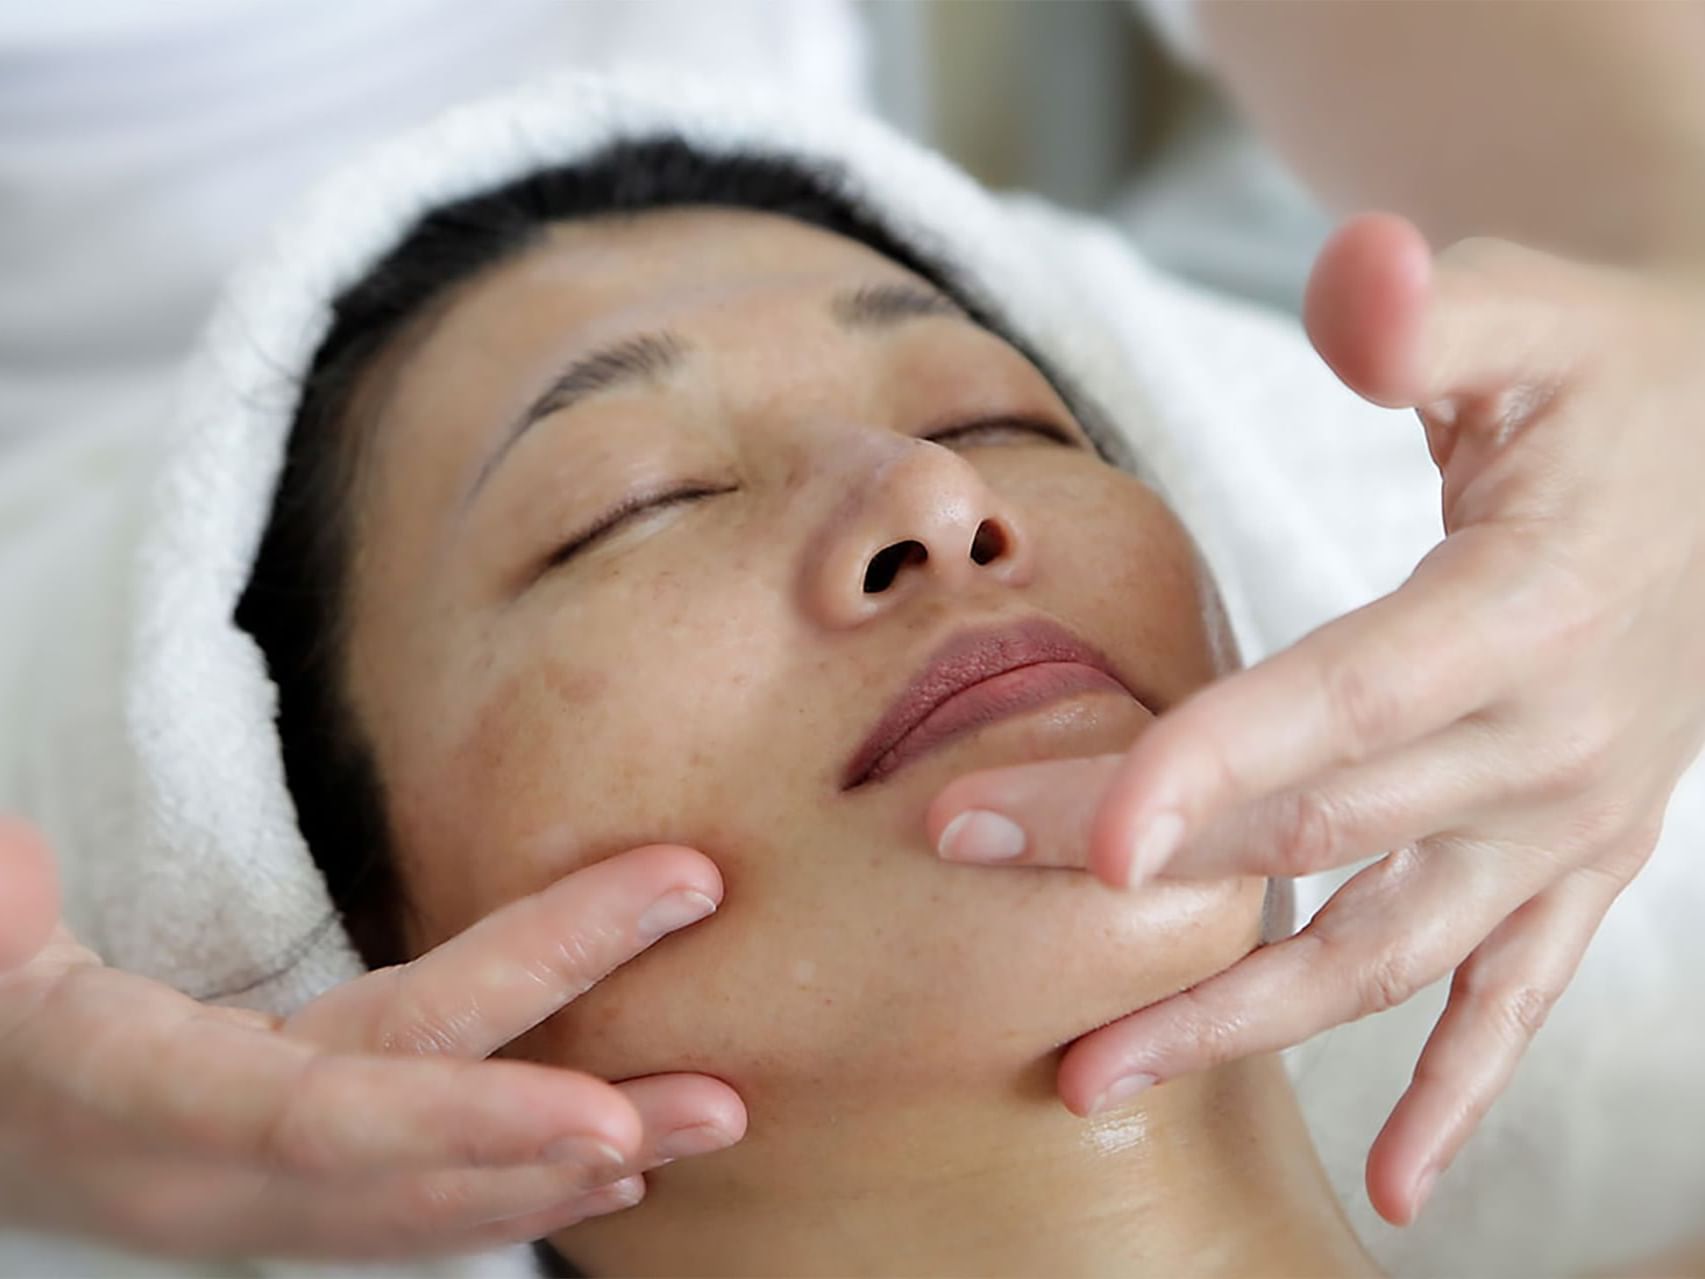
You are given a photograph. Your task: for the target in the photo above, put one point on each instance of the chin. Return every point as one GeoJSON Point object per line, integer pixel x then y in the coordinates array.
{"type": "Point", "coordinates": [940, 978]}
{"type": "Point", "coordinates": [1021, 973]}
{"type": "Point", "coordinates": [900, 977]}
{"type": "Point", "coordinates": [1036, 955]}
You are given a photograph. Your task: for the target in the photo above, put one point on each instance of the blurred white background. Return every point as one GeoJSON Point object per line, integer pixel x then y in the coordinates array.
{"type": "Point", "coordinates": [1086, 103]}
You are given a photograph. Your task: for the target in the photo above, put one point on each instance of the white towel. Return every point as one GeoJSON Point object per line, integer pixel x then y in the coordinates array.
{"type": "Point", "coordinates": [140, 718]}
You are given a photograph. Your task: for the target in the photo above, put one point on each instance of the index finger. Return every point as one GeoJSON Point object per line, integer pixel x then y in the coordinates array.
{"type": "Point", "coordinates": [1406, 665]}
{"type": "Point", "coordinates": [510, 971]}
{"type": "Point", "coordinates": [1392, 929]}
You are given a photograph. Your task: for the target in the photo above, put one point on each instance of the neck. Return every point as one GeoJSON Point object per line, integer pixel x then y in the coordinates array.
{"type": "Point", "coordinates": [1207, 1175]}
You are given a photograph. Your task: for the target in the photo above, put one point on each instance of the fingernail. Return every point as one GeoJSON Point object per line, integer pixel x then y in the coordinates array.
{"type": "Point", "coordinates": [614, 1197]}
{"type": "Point", "coordinates": [675, 910]}
{"type": "Point", "coordinates": [977, 835]}
{"type": "Point", "coordinates": [1424, 1191]}
{"type": "Point", "coordinates": [695, 1139]}
{"type": "Point", "coordinates": [601, 1160]}
{"type": "Point", "coordinates": [1155, 843]}
{"type": "Point", "coordinates": [1121, 1090]}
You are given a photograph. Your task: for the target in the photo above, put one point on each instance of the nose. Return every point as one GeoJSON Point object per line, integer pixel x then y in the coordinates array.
{"type": "Point", "coordinates": [917, 518]}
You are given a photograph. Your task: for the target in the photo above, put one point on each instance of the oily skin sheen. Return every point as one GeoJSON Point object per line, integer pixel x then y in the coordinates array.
{"type": "Point", "coordinates": [701, 674]}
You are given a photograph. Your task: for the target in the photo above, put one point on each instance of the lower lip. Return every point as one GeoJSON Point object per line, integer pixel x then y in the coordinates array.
{"type": "Point", "coordinates": [991, 700]}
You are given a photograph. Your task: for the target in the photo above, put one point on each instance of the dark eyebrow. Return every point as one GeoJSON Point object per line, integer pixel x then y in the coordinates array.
{"type": "Point", "coordinates": [645, 357]}
{"type": "Point", "coordinates": [881, 306]}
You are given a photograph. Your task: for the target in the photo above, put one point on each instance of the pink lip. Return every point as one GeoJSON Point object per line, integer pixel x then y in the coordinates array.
{"type": "Point", "coordinates": [977, 678]}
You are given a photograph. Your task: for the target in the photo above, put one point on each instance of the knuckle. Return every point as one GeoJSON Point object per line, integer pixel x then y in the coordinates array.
{"type": "Point", "coordinates": [1393, 978]}
{"type": "Point", "coordinates": [1365, 708]}
{"type": "Point", "coordinates": [1525, 1010]}
{"type": "Point", "coordinates": [408, 1026]}
{"type": "Point", "coordinates": [1211, 760]}
{"type": "Point", "coordinates": [1578, 763]}
{"type": "Point", "coordinates": [469, 1135]}
{"type": "Point", "coordinates": [1308, 832]}
{"type": "Point", "coordinates": [1212, 1036]}
{"type": "Point", "coordinates": [291, 1140]}
{"type": "Point", "coordinates": [568, 964]}
{"type": "Point", "coordinates": [568, 967]}
{"type": "Point", "coordinates": [1601, 825]}
{"type": "Point", "coordinates": [1625, 858]}
{"type": "Point", "coordinates": [1594, 829]}
{"type": "Point", "coordinates": [416, 1033]}
{"type": "Point", "coordinates": [1517, 1012]}
{"type": "Point", "coordinates": [1550, 604]}
{"type": "Point", "coordinates": [176, 1102]}
{"type": "Point", "coordinates": [1573, 608]}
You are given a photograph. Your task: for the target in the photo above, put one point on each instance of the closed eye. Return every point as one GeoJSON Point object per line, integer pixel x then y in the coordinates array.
{"type": "Point", "coordinates": [990, 430]}
{"type": "Point", "coordinates": [627, 510]}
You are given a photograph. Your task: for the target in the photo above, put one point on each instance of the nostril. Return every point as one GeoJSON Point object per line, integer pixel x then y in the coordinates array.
{"type": "Point", "coordinates": [886, 564]}
{"type": "Point", "coordinates": [988, 544]}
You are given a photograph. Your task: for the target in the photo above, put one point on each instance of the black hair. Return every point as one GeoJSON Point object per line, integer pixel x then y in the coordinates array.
{"type": "Point", "coordinates": [295, 602]}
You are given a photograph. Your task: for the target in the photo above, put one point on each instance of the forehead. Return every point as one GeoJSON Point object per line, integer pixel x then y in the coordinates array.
{"type": "Point", "coordinates": [591, 280]}
{"type": "Point", "coordinates": [757, 283]}
{"type": "Point", "coordinates": [593, 277]}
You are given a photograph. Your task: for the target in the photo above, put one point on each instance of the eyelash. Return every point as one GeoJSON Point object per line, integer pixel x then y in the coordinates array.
{"type": "Point", "coordinates": [1031, 425]}
{"type": "Point", "coordinates": [646, 502]}
{"type": "Point", "coordinates": [626, 511]}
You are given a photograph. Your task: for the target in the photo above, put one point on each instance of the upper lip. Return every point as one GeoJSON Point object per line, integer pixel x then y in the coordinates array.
{"type": "Point", "coordinates": [964, 660]}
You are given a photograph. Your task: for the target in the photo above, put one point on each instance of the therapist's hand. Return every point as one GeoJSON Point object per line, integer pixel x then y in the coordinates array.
{"type": "Point", "coordinates": [1512, 719]}
{"type": "Point", "coordinates": [367, 1126]}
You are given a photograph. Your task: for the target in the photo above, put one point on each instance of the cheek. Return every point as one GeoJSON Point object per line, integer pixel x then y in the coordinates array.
{"type": "Point", "coordinates": [1118, 563]}
{"type": "Point", "coordinates": [582, 733]}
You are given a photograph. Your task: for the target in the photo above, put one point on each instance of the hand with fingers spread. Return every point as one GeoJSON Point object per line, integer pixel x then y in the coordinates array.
{"type": "Point", "coordinates": [368, 1125]}
{"type": "Point", "coordinates": [1511, 721]}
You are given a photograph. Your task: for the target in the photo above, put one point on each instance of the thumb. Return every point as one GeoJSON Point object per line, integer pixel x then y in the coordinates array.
{"type": "Point", "coordinates": [29, 894]}
{"type": "Point", "coordinates": [1404, 329]}
{"type": "Point", "coordinates": [1038, 814]}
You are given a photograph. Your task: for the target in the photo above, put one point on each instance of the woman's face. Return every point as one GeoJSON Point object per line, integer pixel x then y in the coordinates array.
{"type": "Point", "coordinates": [705, 669]}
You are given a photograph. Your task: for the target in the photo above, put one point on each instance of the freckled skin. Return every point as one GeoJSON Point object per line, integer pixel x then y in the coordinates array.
{"type": "Point", "coordinates": [700, 676]}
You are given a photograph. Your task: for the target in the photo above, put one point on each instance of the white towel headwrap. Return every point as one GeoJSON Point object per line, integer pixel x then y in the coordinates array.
{"type": "Point", "coordinates": [148, 750]}
{"type": "Point", "coordinates": [220, 895]}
